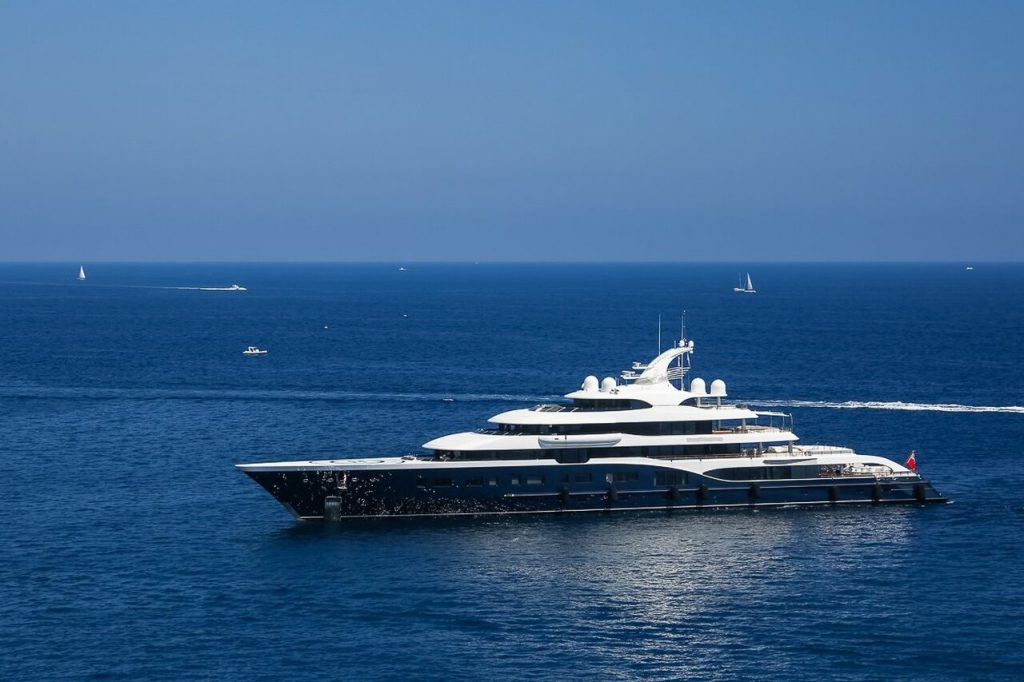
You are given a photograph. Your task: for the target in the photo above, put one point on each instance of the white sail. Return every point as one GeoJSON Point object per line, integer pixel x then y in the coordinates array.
{"type": "Point", "coordinates": [81, 272]}
{"type": "Point", "coordinates": [748, 289]}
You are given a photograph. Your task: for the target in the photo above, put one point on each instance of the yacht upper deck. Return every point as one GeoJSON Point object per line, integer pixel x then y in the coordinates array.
{"type": "Point", "coordinates": [673, 413]}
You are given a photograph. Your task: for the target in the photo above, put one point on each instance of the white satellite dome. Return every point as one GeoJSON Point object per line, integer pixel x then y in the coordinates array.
{"type": "Point", "coordinates": [590, 383]}
{"type": "Point", "coordinates": [607, 384]}
{"type": "Point", "coordinates": [697, 387]}
{"type": "Point", "coordinates": [718, 388]}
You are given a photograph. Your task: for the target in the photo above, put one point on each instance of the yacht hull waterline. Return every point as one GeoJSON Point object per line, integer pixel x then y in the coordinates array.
{"type": "Point", "coordinates": [638, 445]}
{"type": "Point", "coordinates": [323, 493]}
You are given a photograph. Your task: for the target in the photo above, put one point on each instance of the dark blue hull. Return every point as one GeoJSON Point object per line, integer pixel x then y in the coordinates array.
{"type": "Point", "coordinates": [330, 494]}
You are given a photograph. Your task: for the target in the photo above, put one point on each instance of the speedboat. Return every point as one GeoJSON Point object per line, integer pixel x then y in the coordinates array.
{"type": "Point", "coordinates": [643, 441]}
{"type": "Point", "coordinates": [233, 287]}
{"type": "Point", "coordinates": [253, 350]}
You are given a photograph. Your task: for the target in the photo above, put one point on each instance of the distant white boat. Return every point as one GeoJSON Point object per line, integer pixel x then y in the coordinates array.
{"type": "Point", "coordinates": [749, 289]}
{"type": "Point", "coordinates": [253, 350]}
{"type": "Point", "coordinates": [969, 267]}
{"type": "Point", "coordinates": [81, 273]}
{"type": "Point", "coordinates": [401, 269]}
{"type": "Point", "coordinates": [233, 287]}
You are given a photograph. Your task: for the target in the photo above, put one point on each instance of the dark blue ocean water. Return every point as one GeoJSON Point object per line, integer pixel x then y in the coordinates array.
{"type": "Point", "coordinates": [133, 550]}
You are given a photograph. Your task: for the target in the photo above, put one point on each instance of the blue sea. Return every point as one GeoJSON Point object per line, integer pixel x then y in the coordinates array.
{"type": "Point", "coordinates": [133, 550]}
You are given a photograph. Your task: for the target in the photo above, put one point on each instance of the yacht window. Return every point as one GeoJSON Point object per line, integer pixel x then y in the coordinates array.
{"type": "Point", "coordinates": [492, 481]}
{"type": "Point", "coordinates": [805, 471]}
{"type": "Point", "coordinates": [534, 480]}
{"type": "Point", "coordinates": [758, 473]}
{"type": "Point", "coordinates": [514, 480]}
{"type": "Point", "coordinates": [442, 482]}
{"type": "Point", "coordinates": [584, 478]}
{"type": "Point", "coordinates": [475, 481]}
{"type": "Point", "coordinates": [610, 404]}
{"type": "Point", "coordinates": [624, 476]}
{"type": "Point", "coordinates": [571, 456]}
{"type": "Point", "coordinates": [668, 478]}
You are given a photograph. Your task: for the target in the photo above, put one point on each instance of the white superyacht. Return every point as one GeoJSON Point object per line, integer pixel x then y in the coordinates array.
{"type": "Point", "coordinates": [638, 442]}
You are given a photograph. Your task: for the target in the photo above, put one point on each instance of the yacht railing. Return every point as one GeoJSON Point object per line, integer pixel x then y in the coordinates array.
{"type": "Point", "coordinates": [750, 428]}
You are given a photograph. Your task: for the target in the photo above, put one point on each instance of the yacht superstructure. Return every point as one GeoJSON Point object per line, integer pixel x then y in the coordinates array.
{"type": "Point", "coordinates": [639, 442]}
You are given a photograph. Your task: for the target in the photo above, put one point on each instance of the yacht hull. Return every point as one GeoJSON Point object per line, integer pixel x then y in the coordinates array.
{"type": "Point", "coordinates": [333, 493]}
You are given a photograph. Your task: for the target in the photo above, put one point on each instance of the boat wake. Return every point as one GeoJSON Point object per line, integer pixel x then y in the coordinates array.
{"type": "Point", "coordinates": [101, 393]}
{"type": "Point", "coordinates": [897, 405]}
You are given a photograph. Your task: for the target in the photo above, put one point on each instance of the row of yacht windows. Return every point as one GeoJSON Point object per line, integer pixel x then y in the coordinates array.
{"type": "Point", "coordinates": [766, 473]}
{"type": "Point", "coordinates": [636, 428]}
{"type": "Point", "coordinates": [530, 479]}
{"type": "Point", "coordinates": [580, 455]}
{"type": "Point", "coordinates": [613, 404]}
{"type": "Point", "coordinates": [660, 478]}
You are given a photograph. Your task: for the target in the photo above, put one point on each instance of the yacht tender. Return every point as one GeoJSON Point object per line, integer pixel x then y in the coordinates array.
{"type": "Point", "coordinates": [635, 443]}
{"type": "Point", "coordinates": [233, 287]}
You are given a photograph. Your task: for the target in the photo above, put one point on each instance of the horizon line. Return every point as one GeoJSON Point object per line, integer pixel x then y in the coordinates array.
{"type": "Point", "coordinates": [509, 262]}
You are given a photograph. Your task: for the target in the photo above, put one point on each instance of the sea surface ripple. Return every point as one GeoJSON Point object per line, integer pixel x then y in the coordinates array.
{"type": "Point", "coordinates": [134, 550]}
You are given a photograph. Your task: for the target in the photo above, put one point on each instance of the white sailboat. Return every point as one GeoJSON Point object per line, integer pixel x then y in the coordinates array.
{"type": "Point", "coordinates": [749, 289]}
{"type": "Point", "coordinates": [81, 273]}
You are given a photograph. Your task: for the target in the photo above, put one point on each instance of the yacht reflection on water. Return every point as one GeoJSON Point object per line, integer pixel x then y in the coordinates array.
{"type": "Point", "coordinates": [637, 443]}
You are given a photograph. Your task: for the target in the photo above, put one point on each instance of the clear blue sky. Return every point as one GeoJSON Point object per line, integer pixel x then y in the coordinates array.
{"type": "Point", "coordinates": [402, 131]}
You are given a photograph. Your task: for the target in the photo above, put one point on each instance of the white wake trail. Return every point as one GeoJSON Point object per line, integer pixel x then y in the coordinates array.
{"type": "Point", "coordinates": [520, 398]}
{"type": "Point", "coordinates": [112, 393]}
{"type": "Point", "coordinates": [896, 405]}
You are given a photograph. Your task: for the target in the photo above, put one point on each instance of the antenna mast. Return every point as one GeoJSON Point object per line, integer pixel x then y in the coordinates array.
{"type": "Point", "coordinates": [682, 342]}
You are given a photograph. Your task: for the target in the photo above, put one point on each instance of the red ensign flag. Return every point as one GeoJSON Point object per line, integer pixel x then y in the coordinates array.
{"type": "Point", "coordinates": [911, 462]}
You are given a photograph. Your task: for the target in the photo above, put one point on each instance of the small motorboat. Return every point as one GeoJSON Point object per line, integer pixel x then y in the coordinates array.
{"type": "Point", "coordinates": [253, 350]}
{"type": "Point", "coordinates": [233, 287]}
